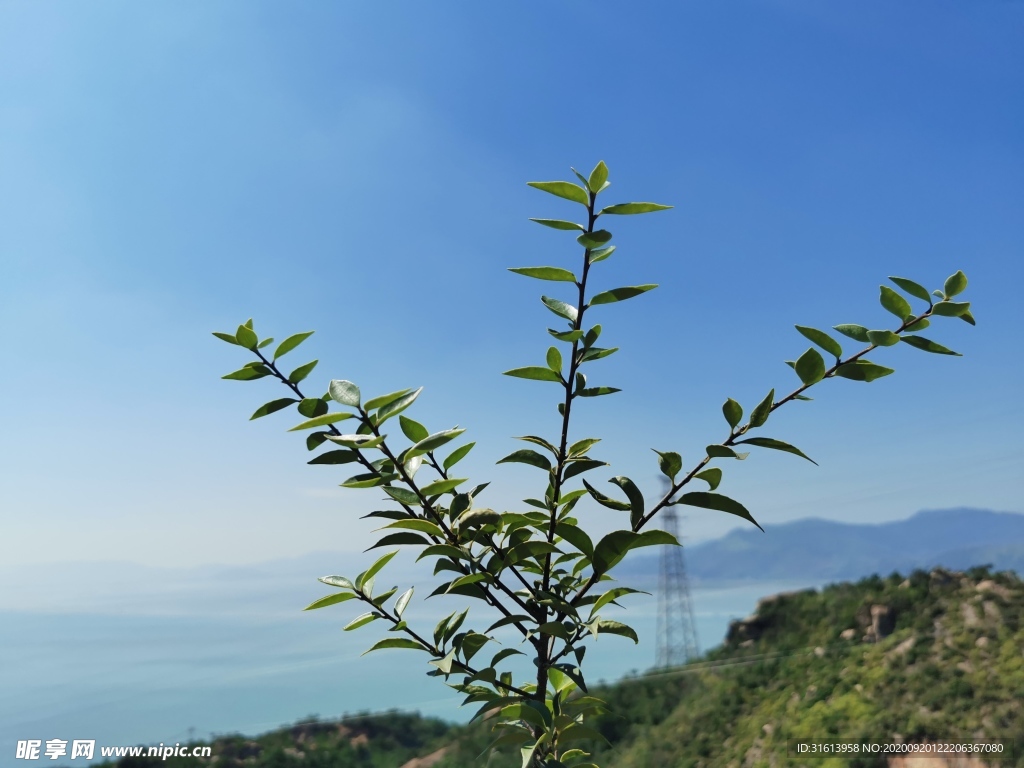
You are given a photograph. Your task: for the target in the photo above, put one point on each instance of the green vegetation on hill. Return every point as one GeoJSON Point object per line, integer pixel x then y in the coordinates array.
{"type": "Point", "coordinates": [936, 656]}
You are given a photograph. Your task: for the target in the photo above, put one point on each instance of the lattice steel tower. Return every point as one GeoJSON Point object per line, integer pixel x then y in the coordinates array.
{"type": "Point", "coordinates": [677, 634]}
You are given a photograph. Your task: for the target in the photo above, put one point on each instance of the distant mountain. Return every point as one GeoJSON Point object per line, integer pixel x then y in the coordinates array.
{"type": "Point", "coordinates": [814, 549]}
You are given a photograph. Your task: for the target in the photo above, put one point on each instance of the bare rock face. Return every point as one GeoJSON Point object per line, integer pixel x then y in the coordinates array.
{"type": "Point", "coordinates": [848, 634]}
{"type": "Point", "coordinates": [996, 589]}
{"type": "Point", "coordinates": [427, 760]}
{"type": "Point", "coordinates": [970, 615]}
{"type": "Point", "coordinates": [883, 621]}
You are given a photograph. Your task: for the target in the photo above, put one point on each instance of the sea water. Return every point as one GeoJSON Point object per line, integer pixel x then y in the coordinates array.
{"type": "Point", "coordinates": [128, 656]}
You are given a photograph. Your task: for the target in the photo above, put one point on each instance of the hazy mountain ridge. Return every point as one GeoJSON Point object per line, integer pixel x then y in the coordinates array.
{"type": "Point", "coordinates": [817, 549]}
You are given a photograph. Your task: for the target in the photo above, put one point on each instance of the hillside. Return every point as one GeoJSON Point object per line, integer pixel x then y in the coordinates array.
{"type": "Point", "coordinates": [938, 655]}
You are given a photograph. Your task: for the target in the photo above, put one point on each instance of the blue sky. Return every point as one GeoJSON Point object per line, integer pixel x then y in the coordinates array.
{"type": "Point", "coordinates": [167, 170]}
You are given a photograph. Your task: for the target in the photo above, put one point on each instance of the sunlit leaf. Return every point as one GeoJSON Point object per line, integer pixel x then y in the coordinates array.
{"type": "Point", "coordinates": [562, 189]}
{"type": "Point", "coordinates": [554, 274]}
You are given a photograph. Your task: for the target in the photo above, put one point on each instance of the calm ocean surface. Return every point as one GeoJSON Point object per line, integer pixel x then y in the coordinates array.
{"type": "Point", "coordinates": [129, 655]}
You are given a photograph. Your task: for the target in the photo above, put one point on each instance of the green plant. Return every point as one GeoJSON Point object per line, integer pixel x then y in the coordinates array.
{"type": "Point", "coordinates": [540, 570]}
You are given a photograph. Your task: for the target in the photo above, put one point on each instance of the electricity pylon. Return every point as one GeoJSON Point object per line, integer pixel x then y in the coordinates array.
{"type": "Point", "coordinates": [677, 633]}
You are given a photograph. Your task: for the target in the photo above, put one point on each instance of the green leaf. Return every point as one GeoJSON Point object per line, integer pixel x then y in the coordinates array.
{"type": "Point", "coordinates": [554, 360]}
{"type": "Point", "coordinates": [670, 462]}
{"type": "Point", "coordinates": [401, 539]}
{"type": "Point", "coordinates": [855, 332]}
{"type": "Point", "coordinates": [362, 442]}
{"type": "Point", "coordinates": [403, 601]}
{"type": "Point", "coordinates": [312, 406]}
{"type": "Point", "coordinates": [340, 456]}
{"type": "Point", "coordinates": [591, 240]}
{"type": "Point", "coordinates": [337, 581]}
{"type": "Point", "coordinates": [469, 578]}
{"type": "Point", "coordinates": [862, 370]}
{"type": "Point", "coordinates": [955, 284]}
{"type": "Point", "coordinates": [717, 502]}
{"type": "Point", "coordinates": [554, 629]}
{"type": "Point", "coordinates": [914, 289]}
{"type": "Point", "coordinates": [361, 621]}
{"type": "Point", "coordinates": [562, 189]}
{"type": "Point", "coordinates": [597, 391]}
{"type": "Point", "coordinates": [472, 643]}
{"type": "Point", "coordinates": [713, 477]}
{"type": "Point", "coordinates": [382, 400]}
{"type": "Point", "coordinates": [226, 337]}
{"type": "Point", "coordinates": [951, 308]}
{"type": "Point", "coordinates": [915, 324]}
{"type": "Point", "coordinates": [598, 176]}
{"type": "Point", "coordinates": [315, 439]}
{"type": "Point", "coordinates": [580, 466]}
{"type": "Point", "coordinates": [433, 442]}
{"type": "Point", "coordinates": [245, 337]}
{"type": "Point", "coordinates": [822, 339]}
{"type": "Point", "coordinates": [732, 411]}
{"type": "Point", "coordinates": [883, 338]}
{"type": "Point", "coordinates": [395, 407]}
{"type": "Point", "coordinates": [247, 374]}
{"type": "Point", "coordinates": [718, 451]}
{"type": "Point", "coordinates": [413, 429]}
{"type": "Point", "coordinates": [929, 346]}
{"type": "Point", "coordinates": [631, 208]}
{"type": "Point", "coordinates": [894, 303]}
{"type": "Point", "coordinates": [636, 499]}
{"type": "Point", "coordinates": [612, 595]}
{"type": "Point", "coordinates": [575, 536]}
{"type": "Point", "coordinates": [560, 308]}
{"type": "Point", "coordinates": [568, 336]}
{"type": "Point", "coordinates": [606, 501]}
{"type": "Point", "coordinates": [442, 486]}
{"type": "Point", "coordinates": [527, 456]}
{"type": "Point", "coordinates": [475, 518]}
{"type": "Point", "coordinates": [621, 294]}
{"type": "Point", "coordinates": [272, 407]}
{"type": "Point", "coordinates": [617, 628]}
{"type": "Point", "coordinates": [596, 353]}
{"type": "Point", "coordinates": [457, 455]}
{"type": "Point", "coordinates": [600, 254]}
{"type": "Point", "coordinates": [344, 392]}
{"type": "Point", "coordinates": [810, 366]}
{"type": "Point", "coordinates": [967, 317]}
{"type": "Point", "coordinates": [321, 421]}
{"type": "Point", "coordinates": [534, 372]}
{"type": "Point", "coordinates": [559, 224]}
{"type": "Point", "coordinates": [365, 480]}
{"type": "Point", "coordinates": [554, 274]}
{"type": "Point", "coordinates": [441, 550]}
{"type": "Point", "coordinates": [265, 343]}
{"type": "Point", "coordinates": [302, 372]}
{"type": "Point", "coordinates": [613, 547]}
{"type": "Point", "coordinates": [291, 343]}
{"type": "Point", "coordinates": [778, 445]}
{"type": "Point", "coordinates": [395, 642]}
{"type": "Point", "coordinates": [338, 597]}
{"type": "Point", "coordinates": [540, 441]}
{"type": "Point", "coordinates": [759, 415]}
{"type": "Point", "coordinates": [374, 569]}
{"type": "Point", "coordinates": [403, 496]}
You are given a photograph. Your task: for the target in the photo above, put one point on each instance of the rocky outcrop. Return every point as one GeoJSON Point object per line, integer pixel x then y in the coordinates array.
{"type": "Point", "coordinates": [427, 760]}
